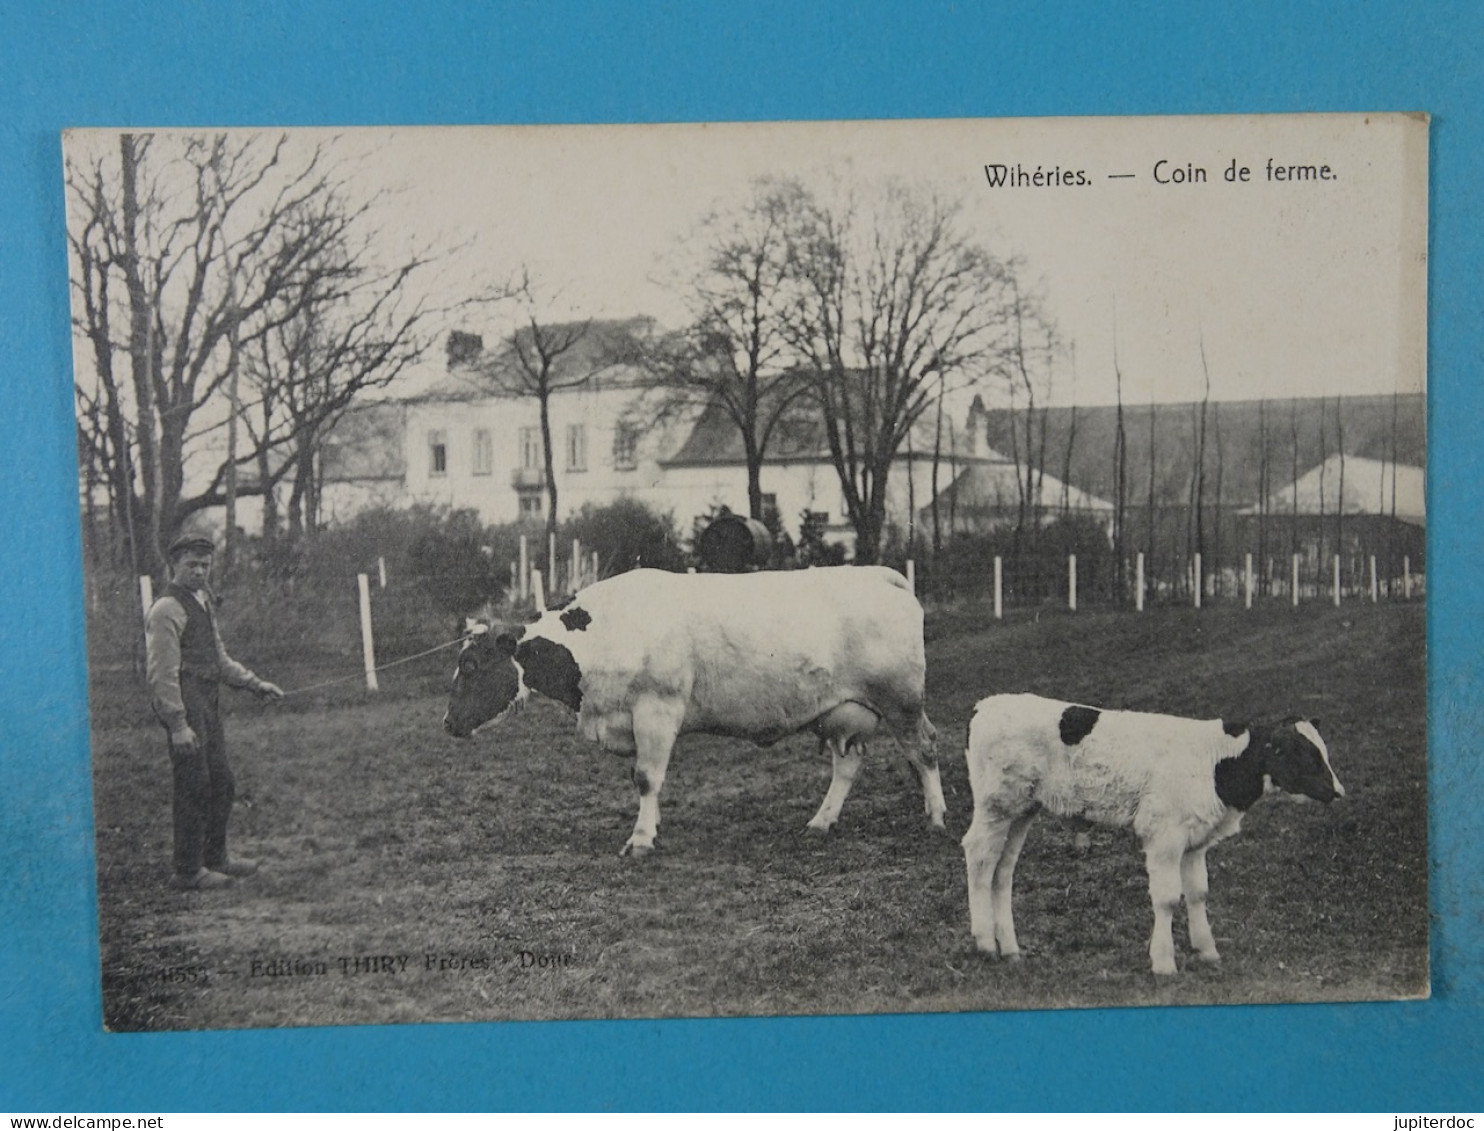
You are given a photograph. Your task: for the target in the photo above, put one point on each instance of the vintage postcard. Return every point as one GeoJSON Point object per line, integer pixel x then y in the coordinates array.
{"type": "Point", "coordinates": [951, 529]}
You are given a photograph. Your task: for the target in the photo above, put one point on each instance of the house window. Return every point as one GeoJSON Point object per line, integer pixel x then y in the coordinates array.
{"type": "Point", "coordinates": [577, 447]}
{"type": "Point", "coordinates": [437, 453]}
{"type": "Point", "coordinates": [530, 448]}
{"type": "Point", "coordinates": [626, 447]}
{"type": "Point", "coordinates": [484, 452]}
{"type": "Point", "coordinates": [530, 506]}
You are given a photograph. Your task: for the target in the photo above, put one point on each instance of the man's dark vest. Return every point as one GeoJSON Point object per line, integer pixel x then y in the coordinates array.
{"type": "Point", "coordinates": [198, 638]}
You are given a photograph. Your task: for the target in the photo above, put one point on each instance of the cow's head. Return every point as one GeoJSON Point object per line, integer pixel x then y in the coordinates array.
{"type": "Point", "coordinates": [497, 671]}
{"type": "Point", "coordinates": [1297, 761]}
{"type": "Point", "coordinates": [488, 683]}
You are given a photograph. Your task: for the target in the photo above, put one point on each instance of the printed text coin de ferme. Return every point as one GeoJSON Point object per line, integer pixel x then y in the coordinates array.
{"type": "Point", "coordinates": [1164, 172]}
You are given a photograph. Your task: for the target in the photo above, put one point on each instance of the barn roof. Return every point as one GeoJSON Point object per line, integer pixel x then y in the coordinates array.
{"type": "Point", "coordinates": [1371, 486]}
{"type": "Point", "coordinates": [994, 487]}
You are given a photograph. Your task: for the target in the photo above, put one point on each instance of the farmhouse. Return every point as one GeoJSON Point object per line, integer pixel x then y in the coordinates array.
{"type": "Point", "coordinates": [453, 437]}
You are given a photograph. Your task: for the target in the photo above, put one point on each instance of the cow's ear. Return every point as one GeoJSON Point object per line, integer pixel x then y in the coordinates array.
{"type": "Point", "coordinates": [1314, 723]}
{"type": "Point", "coordinates": [506, 643]}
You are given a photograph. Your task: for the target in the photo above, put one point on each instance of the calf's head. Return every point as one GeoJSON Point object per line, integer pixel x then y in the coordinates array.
{"type": "Point", "coordinates": [1288, 757]}
{"type": "Point", "coordinates": [1298, 761]}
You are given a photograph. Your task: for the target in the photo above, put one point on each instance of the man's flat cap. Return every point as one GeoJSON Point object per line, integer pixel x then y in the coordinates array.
{"type": "Point", "coordinates": [192, 542]}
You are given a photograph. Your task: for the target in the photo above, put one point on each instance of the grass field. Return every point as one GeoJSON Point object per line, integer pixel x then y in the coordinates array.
{"type": "Point", "coordinates": [486, 873]}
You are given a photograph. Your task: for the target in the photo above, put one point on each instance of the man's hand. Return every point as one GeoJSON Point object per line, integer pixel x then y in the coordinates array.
{"type": "Point", "coordinates": [183, 739]}
{"type": "Point", "coordinates": [270, 692]}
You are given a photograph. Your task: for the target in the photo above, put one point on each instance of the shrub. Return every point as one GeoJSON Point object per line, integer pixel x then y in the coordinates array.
{"type": "Point", "coordinates": [626, 534]}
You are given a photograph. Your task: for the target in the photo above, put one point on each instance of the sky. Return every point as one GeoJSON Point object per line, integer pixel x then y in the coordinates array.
{"type": "Point", "coordinates": [1289, 287]}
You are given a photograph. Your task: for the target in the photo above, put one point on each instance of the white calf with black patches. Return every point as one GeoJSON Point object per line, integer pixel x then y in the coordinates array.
{"type": "Point", "coordinates": [1182, 785]}
{"type": "Point", "coordinates": [647, 656]}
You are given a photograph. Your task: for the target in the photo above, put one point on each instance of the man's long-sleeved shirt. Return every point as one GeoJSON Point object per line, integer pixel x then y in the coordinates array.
{"type": "Point", "coordinates": [163, 628]}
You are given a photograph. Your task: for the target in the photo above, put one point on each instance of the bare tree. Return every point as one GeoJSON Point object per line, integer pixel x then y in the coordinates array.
{"type": "Point", "coordinates": [1120, 485]}
{"type": "Point", "coordinates": [1340, 494]}
{"type": "Point", "coordinates": [542, 357]}
{"type": "Point", "coordinates": [357, 329]}
{"type": "Point", "coordinates": [892, 306]}
{"type": "Point", "coordinates": [1264, 490]}
{"type": "Point", "coordinates": [1196, 535]}
{"type": "Point", "coordinates": [735, 355]}
{"type": "Point", "coordinates": [1024, 363]}
{"type": "Point", "coordinates": [187, 251]}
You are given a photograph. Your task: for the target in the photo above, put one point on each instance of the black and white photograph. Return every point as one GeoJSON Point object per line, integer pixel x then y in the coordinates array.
{"type": "Point", "coordinates": [743, 569]}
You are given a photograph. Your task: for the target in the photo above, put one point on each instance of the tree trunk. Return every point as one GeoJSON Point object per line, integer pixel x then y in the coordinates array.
{"type": "Point", "coordinates": [141, 341]}
{"type": "Point", "coordinates": [551, 485]}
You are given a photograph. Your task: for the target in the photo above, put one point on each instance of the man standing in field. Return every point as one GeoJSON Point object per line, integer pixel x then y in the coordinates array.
{"type": "Point", "coordinates": [186, 666]}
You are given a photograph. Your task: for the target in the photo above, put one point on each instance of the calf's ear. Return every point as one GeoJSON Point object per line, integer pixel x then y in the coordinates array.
{"type": "Point", "coordinates": [1314, 723]}
{"type": "Point", "coordinates": [506, 643]}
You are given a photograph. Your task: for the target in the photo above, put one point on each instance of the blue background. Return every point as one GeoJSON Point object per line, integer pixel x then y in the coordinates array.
{"type": "Point", "coordinates": [185, 64]}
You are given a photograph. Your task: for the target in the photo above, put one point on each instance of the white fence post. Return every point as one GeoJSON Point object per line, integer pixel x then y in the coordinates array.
{"type": "Point", "coordinates": [146, 592]}
{"type": "Point", "coordinates": [1295, 580]}
{"type": "Point", "coordinates": [1247, 596]}
{"type": "Point", "coordinates": [368, 647]}
{"type": "Point", "coordinates": [1197, 577]}
{"type": "Point", "coordinates": [1407, 576]}
{"type": "Point", "coordinates": [381, 570]}
{"type": "Point", "coordinates": [1375, 585]}
{"type": "Point", "coordinates": [514, 580]}
{"type": "Point", "coordinates": [912, 576]}
{"type": "Point", "coordinates": [525, 569]}
{"type": "Point", "coordinates": [1139, 582]}
{"type": "Point", "coordinates": [1072, 582]}
{"type": "Point", "coordinates": [538, 591]}
{"type": "Point", "coordinates": [576, 565]}
{"type": "Point", "coordinates": [595, 565]}
{"type": "Point", "coordinates": [1337, 581]}
{"type": "Point", "coordinates": [999, 588]}
{"type": "Point", "coordinates": [551, 564]}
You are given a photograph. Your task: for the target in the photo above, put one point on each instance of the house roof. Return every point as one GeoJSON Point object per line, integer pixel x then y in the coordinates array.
{"type": "Point", "coordinates": [603, 350]}
{"type": "Point", "coordinates": [1368, 489]}
{"type": "Point", "coordinates": [799, 437]}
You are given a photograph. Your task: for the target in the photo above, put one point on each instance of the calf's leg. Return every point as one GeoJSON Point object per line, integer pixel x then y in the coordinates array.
{"type": "Point", "coordinates": [1004, 879]}
{"type": "Point", "coordinates": [1163, 863]}
{"type": "Point", "coordinates": [1193, 880]}
{"type": "Point", "coordinates": [656, 726]}
{"type": "Point", "coordinates": [983, 845]}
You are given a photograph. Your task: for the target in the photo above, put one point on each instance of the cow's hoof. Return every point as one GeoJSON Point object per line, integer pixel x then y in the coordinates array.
{"type": "Point", "coordinates": [936, 825]}
{"type": "Point", "coordinates": [1211, 959]}
{"type": "Point", "coordinates": [636, 849]}
{"type": "Point", "coordinates": [1161, 972]}
{"type": "Point", "coordinates": [1013, 956]}
{"type": "Point", "coordinates": [819, 830]}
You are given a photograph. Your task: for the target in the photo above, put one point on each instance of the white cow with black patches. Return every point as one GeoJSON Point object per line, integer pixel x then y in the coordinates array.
{"type": "Point", "coordinates": [647, 656]}
{"type": "Point", "coordinates": [1182, 785]}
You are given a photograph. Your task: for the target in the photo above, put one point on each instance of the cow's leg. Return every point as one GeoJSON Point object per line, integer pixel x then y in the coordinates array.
{"type": "Point", "coordinates": [845, 754]}
{"type": "Point", "coordinates": [1004, 878]}
{"type": "Point", "coordinates": [924, 758]}
{"type": "Point", "coordinates": [656, 725]}
{"type": "Point", "coordinates": [1162, 859]}
{"type": "Point", "coordinates": [983, 845]}
{"type": "Point", "coordinates": [1193, 880]}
